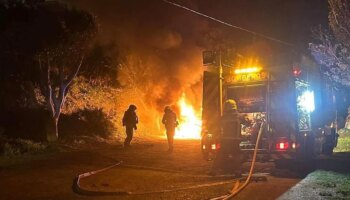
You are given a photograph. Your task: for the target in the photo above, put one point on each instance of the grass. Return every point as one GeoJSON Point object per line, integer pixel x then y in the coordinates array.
{"type": "Point", "coordinates": [331, 184]}
{"type": "Point", "coordinates": [15, 147]}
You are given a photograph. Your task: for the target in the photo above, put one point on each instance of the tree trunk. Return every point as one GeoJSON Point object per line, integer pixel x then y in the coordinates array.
{"type": "Point", "coordinates": [54, 98]}
{"type": "Point", "coordinates": [52, 130]}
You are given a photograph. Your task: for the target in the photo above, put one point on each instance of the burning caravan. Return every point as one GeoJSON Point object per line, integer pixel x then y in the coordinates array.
{"type": "Point", "coordinates": [295, 103]}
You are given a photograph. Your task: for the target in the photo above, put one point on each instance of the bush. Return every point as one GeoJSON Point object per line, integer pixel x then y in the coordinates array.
{"type": "Point", "coordinates": [15, 147]}
{"type": "Point", "coordinates": [344, 132]}
{"type": "Point", "coordinates": [31, 124]}
{"type": "Point", "coordinates": [343, 141]}
{"type": "Point", "coordinates": [9, 150]}
{"type": "Point", "coordinates": [86, 122]}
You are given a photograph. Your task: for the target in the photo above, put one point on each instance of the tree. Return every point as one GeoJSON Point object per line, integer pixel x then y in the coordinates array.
{"type": "Point", "coordinates": [46, 43]}
{"type": "Point", "coordinates": [101, 65]}
{"type": "Point", "coordinates": [332, 49]}
{"type": "Point", "coordinates": [60, 61]}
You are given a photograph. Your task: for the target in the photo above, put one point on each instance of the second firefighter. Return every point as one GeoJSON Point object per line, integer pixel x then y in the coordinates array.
{"type": "Point", "coordinates": [170, 122]}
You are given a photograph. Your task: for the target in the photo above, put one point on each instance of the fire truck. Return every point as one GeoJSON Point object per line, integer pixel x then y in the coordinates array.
{"type": "Point", "coordinates": [293, 100]}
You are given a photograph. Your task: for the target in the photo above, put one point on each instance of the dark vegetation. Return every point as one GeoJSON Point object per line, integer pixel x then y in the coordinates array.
{"type": "Point", "coordinates": [88, 122]}
{"type": "Point", "coordinates": [44, 47]}
{"type": "Point", "coordinates": [332, 45]}
{"type": "Point", "coordinates": [328, 184]}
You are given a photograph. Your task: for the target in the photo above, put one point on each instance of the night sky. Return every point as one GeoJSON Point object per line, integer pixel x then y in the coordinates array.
{"type": "Point", "coordinates": [289, 20]}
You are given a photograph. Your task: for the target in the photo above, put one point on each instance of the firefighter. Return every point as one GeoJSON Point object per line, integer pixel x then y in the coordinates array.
{"type": "Point", "coordinates": [228, 158]}
{"type": "Point", "coordinates": [130, 121]}
{"type": "Point", "coordinates": [231, 126]}
{"type": "Point", "coordinates": [170, 122]}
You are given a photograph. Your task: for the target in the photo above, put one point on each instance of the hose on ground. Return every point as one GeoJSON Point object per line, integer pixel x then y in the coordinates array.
{"type": "Point", "coordinates": [80, 190]}
{"type": "Point", "coordinates": [235, 190]}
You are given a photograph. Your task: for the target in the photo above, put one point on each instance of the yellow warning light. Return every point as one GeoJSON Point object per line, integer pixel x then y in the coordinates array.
{"type": "Point", "coordinates": [247, 70]}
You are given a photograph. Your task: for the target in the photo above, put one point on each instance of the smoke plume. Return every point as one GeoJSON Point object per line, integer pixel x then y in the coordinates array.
{"type": "Point", "coordinates": [161, 45]}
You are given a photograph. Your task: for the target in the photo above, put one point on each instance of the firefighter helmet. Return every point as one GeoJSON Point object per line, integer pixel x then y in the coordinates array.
{"type": "Point", "coordinates": [230, 104]}
{"type": "Point", "coordinates": [167, 109]}
{"type": "Point", "coordinates": [132, 107]}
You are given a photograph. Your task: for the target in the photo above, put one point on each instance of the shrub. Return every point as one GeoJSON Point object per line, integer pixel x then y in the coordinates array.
{"type": "Point", "coordinates": [343, 141]}
{"type": "Point", "coordinates": [88, 123]}
{"type": "Point", "coordinates": [9, 150]}
{"type": "Point", "coordinates": [344, 132]}
{"type": "Point", "coordinates": [15, 147]}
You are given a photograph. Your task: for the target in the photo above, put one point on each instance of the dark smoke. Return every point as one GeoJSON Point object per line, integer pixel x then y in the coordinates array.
{"type": "Point", "coordinates": [162, 44]}
{"type": "Point", "coordinates": [164, 39]}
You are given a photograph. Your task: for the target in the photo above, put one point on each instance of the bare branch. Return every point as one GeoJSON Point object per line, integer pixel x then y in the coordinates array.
{"type": "Point", "coordinates": [74, 74]}
{"type": "Point", "coordinates": [339, 18]}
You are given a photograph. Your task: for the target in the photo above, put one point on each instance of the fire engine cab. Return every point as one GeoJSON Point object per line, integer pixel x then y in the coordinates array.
{"type": "Point", "coordinates": [292, 99]}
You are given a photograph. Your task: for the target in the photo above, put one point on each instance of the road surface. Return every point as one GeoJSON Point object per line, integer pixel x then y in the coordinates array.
{"type": "Point", "coordinates": [50, 176]}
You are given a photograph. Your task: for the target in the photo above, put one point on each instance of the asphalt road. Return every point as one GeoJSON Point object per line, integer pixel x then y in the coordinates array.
{"type": "Point", "coordinates": [150, 168]}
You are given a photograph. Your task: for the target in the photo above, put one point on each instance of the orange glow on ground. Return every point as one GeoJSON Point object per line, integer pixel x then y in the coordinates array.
{"type": "Point", "coordinates": [189, 121]}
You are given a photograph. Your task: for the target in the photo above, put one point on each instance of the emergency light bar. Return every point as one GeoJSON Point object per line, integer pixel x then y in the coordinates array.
{"type": "Point", "coordinates": [247, 70]}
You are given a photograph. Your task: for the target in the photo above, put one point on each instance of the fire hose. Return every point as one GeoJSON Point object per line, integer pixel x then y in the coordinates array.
{"type": "Point", "coordinates": [80, 190]}
{"type": "Point", "coordinates": [236, 188]}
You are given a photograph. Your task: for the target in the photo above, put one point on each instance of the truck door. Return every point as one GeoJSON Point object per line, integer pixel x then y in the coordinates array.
{"type": "Point", "coordinates": [210, 104]}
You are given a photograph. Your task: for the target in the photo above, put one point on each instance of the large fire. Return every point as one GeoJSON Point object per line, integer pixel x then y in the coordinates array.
{"type": "Point", "coordinates": [189, 121]}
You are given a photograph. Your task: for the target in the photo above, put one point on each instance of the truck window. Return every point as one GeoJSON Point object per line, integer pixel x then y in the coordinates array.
{"type": "Point", "coordinates": [249, 98]}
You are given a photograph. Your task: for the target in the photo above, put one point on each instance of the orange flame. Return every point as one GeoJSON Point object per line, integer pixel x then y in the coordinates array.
{"type": "Point", "coordinates": [189, 122]}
